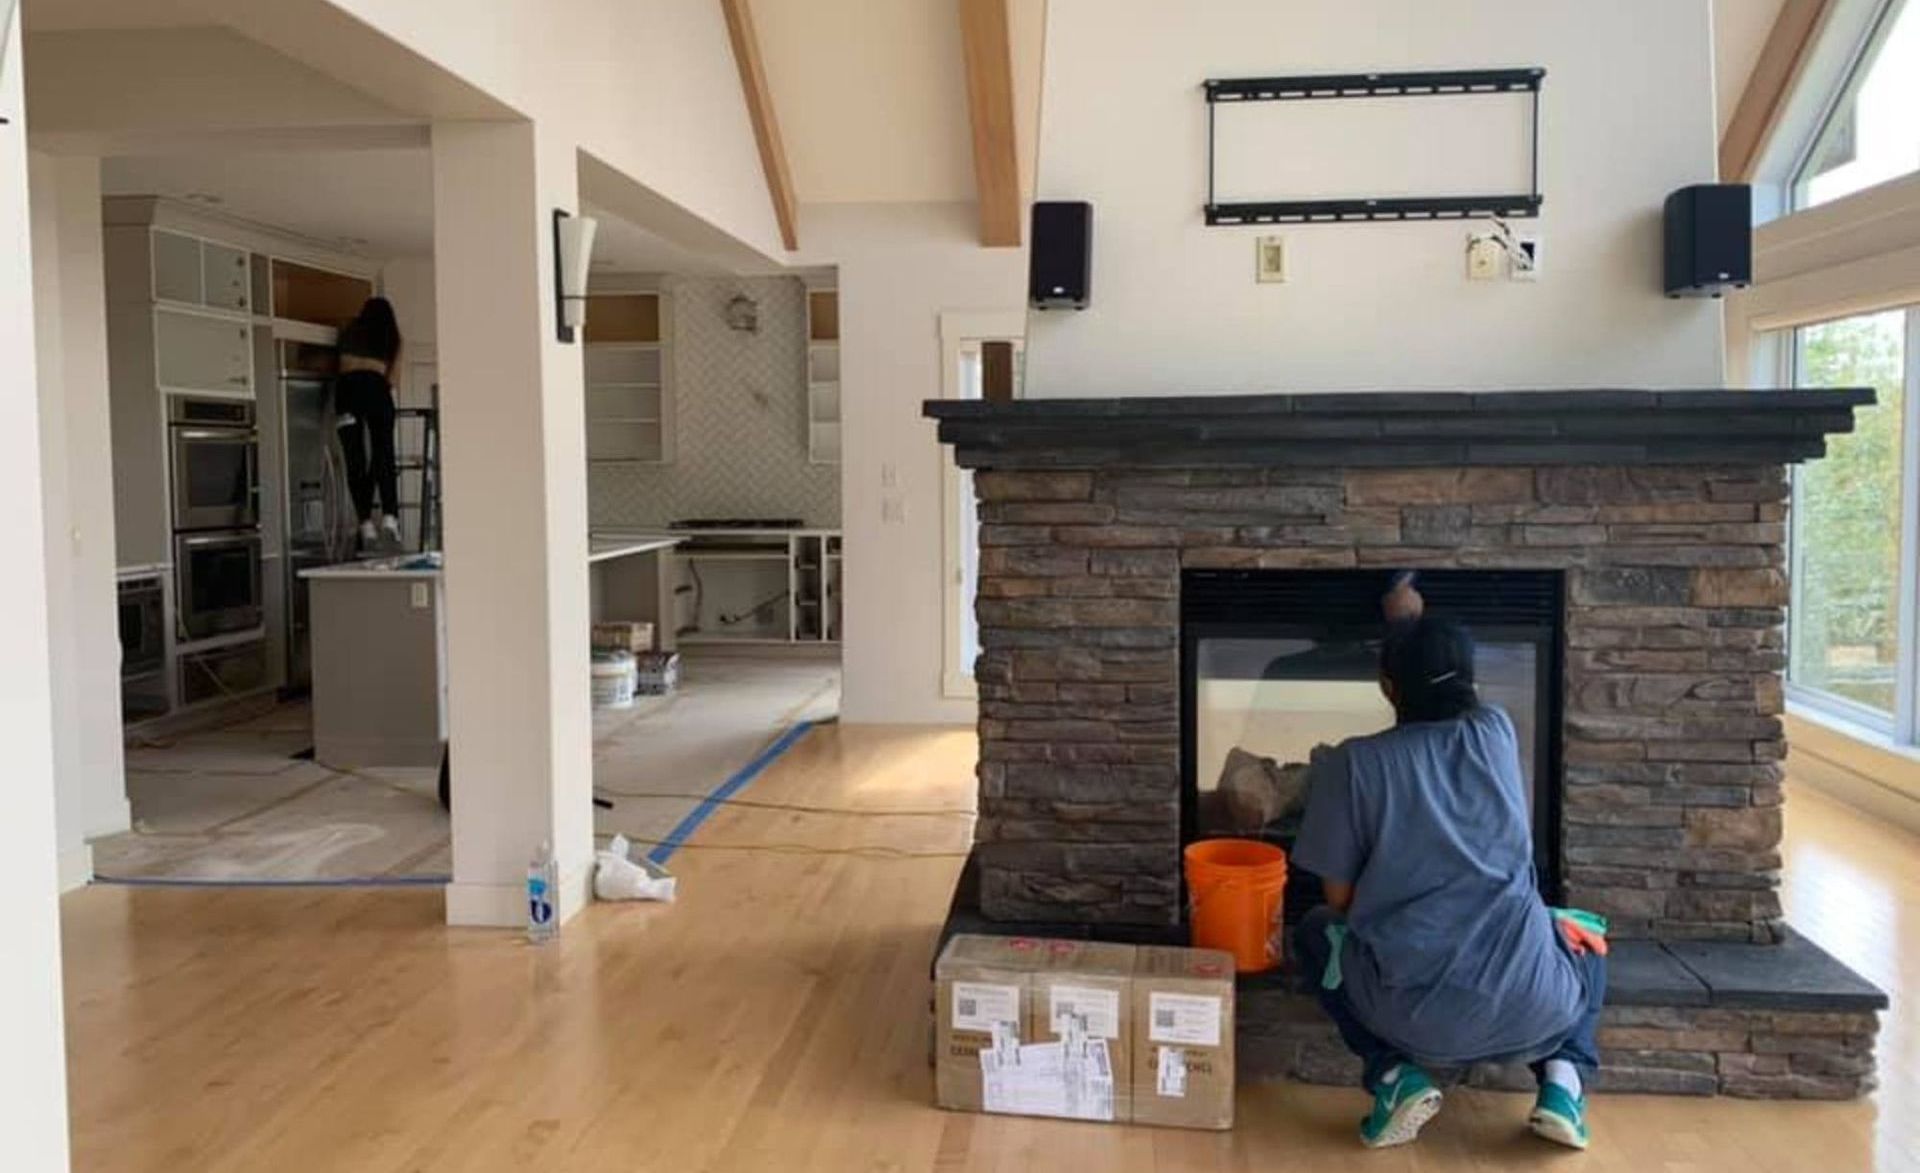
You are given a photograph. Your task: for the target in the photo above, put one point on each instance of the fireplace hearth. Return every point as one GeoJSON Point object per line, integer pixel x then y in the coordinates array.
{"type": "Point", "coordinates": [1155, 592]}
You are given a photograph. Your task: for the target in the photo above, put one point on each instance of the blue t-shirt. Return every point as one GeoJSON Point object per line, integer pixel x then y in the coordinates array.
{"type": "Point", "coordinates": [1451, 956]}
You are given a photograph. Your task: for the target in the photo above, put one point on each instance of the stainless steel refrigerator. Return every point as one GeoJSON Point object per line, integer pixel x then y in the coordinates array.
{"type": "Point", "coordinates": [318, 516]}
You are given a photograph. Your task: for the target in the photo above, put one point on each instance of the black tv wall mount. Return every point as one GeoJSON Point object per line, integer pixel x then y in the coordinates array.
{"type": "Point", "coordinates": [1432, 83]}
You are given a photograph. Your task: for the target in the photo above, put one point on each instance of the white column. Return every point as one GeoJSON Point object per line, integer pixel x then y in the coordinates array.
{"type": "Point", "coordinates": [77, 506]}
{"type": "Point", "coordinates": [33, 1078]}
{"type": "Point", "coordinates": [513, 427]}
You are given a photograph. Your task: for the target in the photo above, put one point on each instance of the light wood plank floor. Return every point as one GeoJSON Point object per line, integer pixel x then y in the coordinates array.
{"type": "Point", "coordinates": [776, 1018]}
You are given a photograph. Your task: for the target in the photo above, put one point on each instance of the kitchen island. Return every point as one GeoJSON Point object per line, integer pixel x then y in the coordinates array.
{"type": "Point", "coordinates": [379, 662]}
{"type": "Point", "coordinates": [380, 644]}
{"type": "Point", "coordinates": [631, 577]}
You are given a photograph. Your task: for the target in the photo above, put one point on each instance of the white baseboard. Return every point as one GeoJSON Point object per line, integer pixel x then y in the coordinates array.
{"type": "Point", "coordinates": [76, 867]}
{"type": "Point", "coordinates": [1856, 790]}
{"type": "Point", "coordinates": [486, 905]}
{"type": "Point", "coordinates": [504, 906]}
{"type": "Point", "coordinates": [1856, 766]}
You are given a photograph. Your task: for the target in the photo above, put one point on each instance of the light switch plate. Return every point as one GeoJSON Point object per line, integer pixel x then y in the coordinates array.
{"type": "Point", "coordinates": [1270, 259]}
{"type": "Point", "coordinates": [421, 597]}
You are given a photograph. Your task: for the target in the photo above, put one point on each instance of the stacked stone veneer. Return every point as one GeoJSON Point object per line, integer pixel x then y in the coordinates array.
{"type": "Point", "coordinates": [1670, 1050]}
{"type": "Point", "coordinates": [1675, 649]}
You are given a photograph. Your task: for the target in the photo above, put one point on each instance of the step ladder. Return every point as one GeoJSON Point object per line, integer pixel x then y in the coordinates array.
{"type": "Point", "coordinates": [420, 456]}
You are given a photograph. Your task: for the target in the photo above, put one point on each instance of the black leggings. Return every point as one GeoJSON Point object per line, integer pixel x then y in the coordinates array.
{"type": "Point", "coordinates": [363, 408]}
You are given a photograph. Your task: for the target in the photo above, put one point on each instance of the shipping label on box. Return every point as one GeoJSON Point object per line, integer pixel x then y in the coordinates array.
{"type": "Point", "coordinates": [1183, 1055]}
{"type": "Point", "coordinates": [982, 992]}
{"type": "Point", "coordinates": [1072, 1078]}
{"type": "Point", "coordinates": [1088, 986]}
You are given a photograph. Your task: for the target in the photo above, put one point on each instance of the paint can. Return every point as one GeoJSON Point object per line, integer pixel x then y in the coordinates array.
{"type": "Point", "coordinates": [613, 676]}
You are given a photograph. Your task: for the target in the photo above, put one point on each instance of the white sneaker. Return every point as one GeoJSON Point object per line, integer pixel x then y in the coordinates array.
{"type": "Point", "coordinates": [390, 529]}
{"type": "Point", "coordinates": [368, 535]}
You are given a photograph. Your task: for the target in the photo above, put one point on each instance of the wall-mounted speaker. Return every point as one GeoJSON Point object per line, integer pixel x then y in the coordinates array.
{"type": "Point", "coordinates": [1060, 263]}
{"type": "Point", "coordinates": [1709, 239]}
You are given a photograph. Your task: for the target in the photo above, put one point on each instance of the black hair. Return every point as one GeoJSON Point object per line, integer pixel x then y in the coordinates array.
{"type": "Point", "coordinates": [1429, 662]}
{"type": "Point", "coordinates": [373, 333]}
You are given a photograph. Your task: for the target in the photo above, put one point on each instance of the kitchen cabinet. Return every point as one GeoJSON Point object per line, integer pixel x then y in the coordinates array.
{"type": "Point", "coordinates": [228, 279]}
{"type": "Point", "coordinates": [177, 268]}
{"type": "Point", "coordinates": [823, 376]}
{"type": "Point", "coordinates": [320, 297]}
{"type": "Point", "coordinates": [201, 353]}
{"type": "Point", "coordinates": [629, 397]}
{"type": "Point", "coordinates": [189, 270]}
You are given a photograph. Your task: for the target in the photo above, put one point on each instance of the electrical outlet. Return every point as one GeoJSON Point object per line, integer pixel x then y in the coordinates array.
{"type": "Point", "coordinates": [1525, 267]}
{"type": "Point", "coordinates": [893, 510]}
{"type": "Point", "coordinates": [1270, 259]}
{"type": "Point", "coordinates": [1483, 257]}
{"type": "Point", "coordinates": [889, 475]}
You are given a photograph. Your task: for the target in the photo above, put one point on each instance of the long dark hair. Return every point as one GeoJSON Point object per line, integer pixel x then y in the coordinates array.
{"type": "Point", "coordinates": [373, 333]}
{"type": "Point", "coordinates": [1429, 662]}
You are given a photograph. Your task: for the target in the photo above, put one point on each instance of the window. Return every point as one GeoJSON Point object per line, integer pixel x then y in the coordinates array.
{"type": "Point", "coordinates": [1872, 133]}
{"type": "Point", "coordinates": [1852, 544]}
{"type": "Point", "coordinates": [982, 357]}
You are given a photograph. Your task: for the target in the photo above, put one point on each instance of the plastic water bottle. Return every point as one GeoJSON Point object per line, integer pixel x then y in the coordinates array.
{"type": "Point", "coordinates": [543, 887]}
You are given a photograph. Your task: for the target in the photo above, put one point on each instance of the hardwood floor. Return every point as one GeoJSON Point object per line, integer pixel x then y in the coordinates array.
{"type": "Point", "coordinates": [775, 1018]}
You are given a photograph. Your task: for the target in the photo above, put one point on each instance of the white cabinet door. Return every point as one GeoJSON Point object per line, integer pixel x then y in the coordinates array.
{"type": "Point", "coordinates": [176, 268]}
{"type": "Point", "coordinates": [201, 353]}
{"type": "Point", "coordinates": [228, 282]}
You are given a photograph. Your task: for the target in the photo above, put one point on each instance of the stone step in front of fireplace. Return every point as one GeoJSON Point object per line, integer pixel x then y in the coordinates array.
{"type": "Point", "coordinates": [1782, 1021]}
{"type": "Point", "coordinates": [1706, 1018]}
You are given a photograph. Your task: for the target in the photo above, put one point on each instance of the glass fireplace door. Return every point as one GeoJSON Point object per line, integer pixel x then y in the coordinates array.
{"type": "Point", "coordinates": [1277, 698]}
{"type": "Point", "coordinates": [1275, 663]}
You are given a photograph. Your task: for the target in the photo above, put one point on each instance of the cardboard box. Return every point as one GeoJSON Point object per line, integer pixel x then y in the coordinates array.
{"type": "Point", "coordinates": [623, 636]}
{"type": "Point", "coordinates": [1093, 982]}
{"type": "Point", "coordinates": [979, 983]}
{"type": "Point", "coordinates": [1183, 1018]}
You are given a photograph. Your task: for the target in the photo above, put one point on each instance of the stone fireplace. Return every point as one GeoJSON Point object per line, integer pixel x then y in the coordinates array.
{"type": "Point", "coordinates": [1123, 542]}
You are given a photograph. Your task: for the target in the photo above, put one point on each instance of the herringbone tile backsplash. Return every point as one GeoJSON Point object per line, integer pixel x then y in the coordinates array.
{"type": "Point", "coordinates": [740, 447]}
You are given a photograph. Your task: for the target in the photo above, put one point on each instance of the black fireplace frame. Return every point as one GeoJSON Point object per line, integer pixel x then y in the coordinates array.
{"type": "Point", "coordinates": [1524, 604]}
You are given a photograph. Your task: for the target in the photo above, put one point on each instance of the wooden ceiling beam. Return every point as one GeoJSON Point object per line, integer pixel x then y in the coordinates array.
{"type": "Point", "coordinates": [766, 126]}
{"type": "Point", "coordinates": [996, 162]}
{"type": "Point", "coordinates": [1792, 38]}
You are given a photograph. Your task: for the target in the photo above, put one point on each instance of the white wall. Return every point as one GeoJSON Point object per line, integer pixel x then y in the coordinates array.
{"type": "Point", "coordinates": [1628, 116]}
{"type": "Point", "coordinates": [901, 266]}
{"type": "Point", "coordinates": [33, 1102]}
{"type": "Point", "coordinates": [77, 506]}
{"type": "Point", "coordinates": [648, 87]}
{"type": "Point", "coordinates": [513, 417]}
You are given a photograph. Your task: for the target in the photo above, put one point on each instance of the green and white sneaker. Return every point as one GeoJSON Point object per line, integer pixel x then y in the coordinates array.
{"type": "Point", "coordinates": [1402, 1105]}
{"type": "Point", "coordinates": [1560, 1116]}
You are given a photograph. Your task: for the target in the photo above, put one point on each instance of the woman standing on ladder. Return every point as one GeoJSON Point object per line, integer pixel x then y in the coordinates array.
{"type": "Point", "coordinates": [363, 414]}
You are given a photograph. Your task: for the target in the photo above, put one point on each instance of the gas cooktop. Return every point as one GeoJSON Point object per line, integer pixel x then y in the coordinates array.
{"type": "Point", "coordinates": [738, 523]}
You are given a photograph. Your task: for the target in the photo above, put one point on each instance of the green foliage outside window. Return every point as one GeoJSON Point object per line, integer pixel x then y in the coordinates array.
{"type": "Point", "coordinates": [1846, 611]}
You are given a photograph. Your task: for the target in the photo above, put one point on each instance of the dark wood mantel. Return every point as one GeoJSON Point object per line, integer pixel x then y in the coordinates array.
{"type": "Point", "coordinates": [1401, 428]}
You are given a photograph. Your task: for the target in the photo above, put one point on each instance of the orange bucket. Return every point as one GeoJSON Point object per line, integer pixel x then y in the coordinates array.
{"type": "Point", "coordinates": [1235, 888]}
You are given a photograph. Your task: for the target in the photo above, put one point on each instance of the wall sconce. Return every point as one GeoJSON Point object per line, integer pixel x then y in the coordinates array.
{"type": "Point", "coordinates": [572, 255]}
{"type": "Point", "coordinates": [6, 25]}
{"type": "Point", "coordinates": [743, 314]}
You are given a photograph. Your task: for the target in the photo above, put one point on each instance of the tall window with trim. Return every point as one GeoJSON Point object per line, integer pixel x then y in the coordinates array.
{"type": "Point", "coordinates": [1872, 131]}
{"type": "Point", "coordinates": [1853, 542]}
{"type": "Point", "coordinates": [985, 359]}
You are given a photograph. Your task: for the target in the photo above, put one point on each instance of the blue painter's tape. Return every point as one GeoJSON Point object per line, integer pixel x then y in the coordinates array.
{"type": "Point", "coordinates": [357, 882]}
{"type": "Point", "coordinates": [679, 835]}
